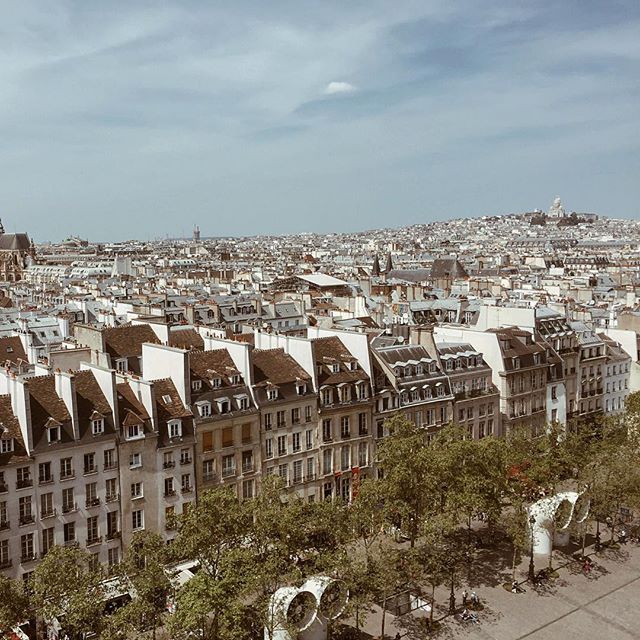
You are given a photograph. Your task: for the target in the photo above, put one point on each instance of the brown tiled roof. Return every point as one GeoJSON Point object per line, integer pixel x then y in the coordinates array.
{"type": "Point", "coordinates": [45, 402]}
{"type": "Point", "coordinates": [8, 419]}
{"type": "Point", "coordinates": [126, 340]}
{"type": "Point", "coordinates": [276, 366]}
{"type": "Point", "coordinates": [331, 348]}
{"type": "Point", "coordinates": [186, 339]}
{"type": "Point", "coordinates": [202, 363]}
{"type": "Point", "coordinates": [11, 349]}
{"type": "Point", "coordinates": [89, 396]}
{"type": "Point", "coordinates": [127, 401]}
{"type": "Point", "coordinates": [172, 409]}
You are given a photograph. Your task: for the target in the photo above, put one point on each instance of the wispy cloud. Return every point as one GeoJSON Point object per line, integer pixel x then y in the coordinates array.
{"type": "Point", "coordinates": [122, 120]}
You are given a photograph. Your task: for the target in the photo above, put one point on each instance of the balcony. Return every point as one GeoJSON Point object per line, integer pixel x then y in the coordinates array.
{"type": "Point", "coordinates": [169, 493]}
{"type": "Point", "coordinates": [92, 541]}
{"type": "Point", "coordinates": [247, 467]}
{"type": "Point", "coordinates": [209, 477]}
{"type": "Point", "coordinates": [29, 557]}
{"type": "Point", "coordinates": [68, 508]}
{"type": "Point", "coordinates": [297, 479]}
{"type": "Point", "coordinates": [45, 479]}
{"type": "Point", "coordinates": [49, 513]}
{"type": "Point", "coordinates": [168, 464]}
{"type": "Point", "coordinates": [187, 460]}
{"type": "Point", "coordinates": [113, 535]}
{"type": "Point", "coordinates": [23, 484]}
{"type": "Point", "coordinates": [71, 543]}
{"type": "Point", "coordinates": [111, 466]}
{"type": "Point", "coordinates": [90, 470]}
{"type": "Point", "coordinates": [228, 472]}
{"type": "Point", "coordinates": [187, 489]}
{"type": "Point", "coordinates": [92, 502]}
{"type": "Point", "coordinates": [67, 476]}
{"type": "Point", "coordinates": [112, 497]}
{"type": "Point", "coordinates": [26, 519]}
{"type": "Point", "coordinates": [4, 524]}
{"type": "Point", "coordinates": [310, 477]}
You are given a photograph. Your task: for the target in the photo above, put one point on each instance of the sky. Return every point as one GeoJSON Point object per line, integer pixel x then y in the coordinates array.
{"type": "Point", "coordinates": [141, 119]}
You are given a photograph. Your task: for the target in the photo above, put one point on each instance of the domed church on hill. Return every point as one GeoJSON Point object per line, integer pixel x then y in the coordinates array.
{"type": "Point", "coordinates": [17, 252]}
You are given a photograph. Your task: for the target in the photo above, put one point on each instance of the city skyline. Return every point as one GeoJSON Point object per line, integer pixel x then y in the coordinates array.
{"type": "Point", "coordinates": [252, 120]}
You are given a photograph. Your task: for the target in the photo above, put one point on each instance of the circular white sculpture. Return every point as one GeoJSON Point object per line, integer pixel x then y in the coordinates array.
{"type": "Point", "coordinates": [553, 515]}
{"type": "Point", "coordinates": [303, 613]}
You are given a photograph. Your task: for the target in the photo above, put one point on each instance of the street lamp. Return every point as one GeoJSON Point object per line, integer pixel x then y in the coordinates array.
{"type": "Point", "coordinates": [532, 570]}
{"type": "Point", "coordinates": [452, 594]}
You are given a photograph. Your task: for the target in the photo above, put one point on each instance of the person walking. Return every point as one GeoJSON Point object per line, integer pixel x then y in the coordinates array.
{"type": "Point", "coordinates": [465, 596]}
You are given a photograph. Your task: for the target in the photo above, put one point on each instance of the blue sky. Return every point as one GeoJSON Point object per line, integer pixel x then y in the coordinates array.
{"type": "Point", "coordinates": [140, 119]}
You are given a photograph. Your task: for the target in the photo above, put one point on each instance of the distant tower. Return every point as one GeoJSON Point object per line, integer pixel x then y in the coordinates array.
{"type": "Point", "coordinates": [1, 227]}
{"type": "Point", "coordinates": [196, 233]}
{"type": "Point", "coordinates": [389, 266]}
{"type": "Point", "coordinates": [375, 269]}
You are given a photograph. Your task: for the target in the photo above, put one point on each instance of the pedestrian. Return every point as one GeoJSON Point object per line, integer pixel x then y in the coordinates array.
{"type": "Point", "coordinates": [397, 636]}
{"type": "Point", "coordinates": [465, 595]}
{"type": "Point", "coordinates": [474, 598]}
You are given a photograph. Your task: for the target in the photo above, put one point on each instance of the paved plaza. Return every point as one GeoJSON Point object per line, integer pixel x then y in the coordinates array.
{"type": "Point", "coordinates": [604, 605]}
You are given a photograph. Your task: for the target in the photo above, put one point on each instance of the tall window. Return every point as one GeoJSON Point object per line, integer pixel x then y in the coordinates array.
{"type": "Point", "coordinates": [137, 519]}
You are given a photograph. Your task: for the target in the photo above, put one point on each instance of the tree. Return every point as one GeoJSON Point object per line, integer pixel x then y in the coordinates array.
{"type": "Point", "coordinates": [215, 533]}
{"type": "Point", "coordinates": [68, 586]}
{"type": "Point", "coordinates": [14, 603]}
{"type": "Point", "coordinates": [144, 568]}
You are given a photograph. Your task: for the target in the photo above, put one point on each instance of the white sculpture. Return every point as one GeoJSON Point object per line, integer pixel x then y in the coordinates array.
{"type": "Point", "coordinates": [553, 515]}
{"type": "Point", "coordinates": [303, 613]}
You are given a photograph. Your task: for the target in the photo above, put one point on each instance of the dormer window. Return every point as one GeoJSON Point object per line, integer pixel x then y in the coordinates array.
{"type": "Point", "coordinates": [353, 365]}
{"type": "Point", "coordinates": [224, 406]}
{"type": "Point", "coordinates": [6, 445]}
{"type": "Point", "coordinates": [175, 429]}
{"type": "Point", "coordinates": [196, 385]}
{"type": "Point", "coordinates": [272, 394]}
{"type": "Point", "coordinates": [216, 382]}
{"type": "Point", "coordinates": [418, 369]}
{"type": "Point", "coordinates": [516, 363]}
{"type": "Point", "coordinates": [335, 368]}
{"type": "Point", "coordinates": [97, 426]}
{"type": "Point", "coordinates": [134, 431]}
{"type": "Point", "coordinates": [361, 391]}
{"type": "Point", "coordinates": [301, 388]}
{"type": "Point", "coordinates": [243, 402]}
{"type": "Point", "coordinates": [326, 396]}
{"type": "Point", "coordinates": [121, 365]}
{"type": "Point", "coordinates": [166, 399]}
{"type": "Point", "coordinates": [204, 408]}
{"type": "Point", "coordinates": [236, 379]}
{"type": "Point", "coordinates": [536, 358]}
{"type": "Point", "coordinates": [450, 365]}
{"type": "Point", "coordinates": [432, 367]}
{"type": "Point", "coordinates": [53, 434]}
{"type": "Point", "coordinates": [398, 371]}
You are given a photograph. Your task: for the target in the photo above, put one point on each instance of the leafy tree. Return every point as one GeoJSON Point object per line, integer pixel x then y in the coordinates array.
{"type": "Point", "coordinates": [215, 533]}
{"type": "Point", "coordinates": [68, 586]}
{"type": "Point", "coordinates": [14, 603]}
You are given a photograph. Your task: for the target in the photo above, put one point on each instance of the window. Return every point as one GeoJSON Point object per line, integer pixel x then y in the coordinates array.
{"type": "Point", "coordinates": [134, 431]}
{"type": "Point", "coordinates": [283, 471]}
{"type": "Point", "coordinates": [6, 445]}
{"type": "Point", "coordinates": [185, 483]}
{"type": "Point", "coordinates": [196, 385]}
{"type": "Point", "coordinates": [308, 438]}
{"type": "Point", "coordinates": [26, 547]}
{"type": "Point", "coordinates": [281, 419]}
{"type": "Point", "coordinates": [24, 506]}
{"type": "Point", "coordinates": [113, 556]}
{"type": "Point", "coordinates": [481, 429]}
{"type": "Point", "coordinates": [91, 494]}
{"type": "Point", "coordinates": [228, 466]}
{"type": "Point", "coordinates": [121, 364]}
{"type": "Point", "coordinates": [326, 396]}
{"type": "Point", "coordinates": [136, 490]}
{"type": "Point", "coordinates": [243, 403]}
{"type": "Point", "coordinates": [5, 560]}
{"type": "Point", "coordinates": [345, 458]}
{"type": "Point", "coordinates": [295, 415]}
{"type": "Point", "coordinates": [68, 500]}
{"type": "Point", "coordinates": [327, 461]}
{"type": "Point", "coordinates": [361, 391]}
{"type": "Point", "coordinates": [97, 426]}
{"type": "Point", "coordinates": [204, 409]}
{"type": "Point", "coordinates": [282, 445]}
{"type": "Point", "coordinates": [227, 437]}
{"type": "Point", "coordinates": [53, 434]}
{"type": "Point", "coordinates": [301, 388]}
{"type": "Point", "coordinates": [207, 441]}
{"type": "Point", "coordinates": [295, 442]}
{"type": "Point", "coordinates": [208, 472]}
{"type": "Point", "coordinates": [47, 540]}
{"type": "Point", "coordinates": [297, 471]}
{"type": "Point", "coordinates": [268, 448]}
{"type": "Point", "coordinates": [169, 489]}
{"type": "Point", "coordinates": [109, 459]}
{"type": "Point", "coordinates": [135, 460]}
{"type": "Point", "coordinates": [175, 429]}
{"type": "Point", "coordinates": [111, 489]}
{"type": "Point", "coordinates": [554, 393]}
{"type": "Point", "coordinates": [345, 428]}
{"type": "Point", "coordinates": [137, 519]}
{"type": "Point", "coordinates": [363, 454]}
{"type": "Point", "coordinates": [216, 382]}
{"type": "Point", "coordinates": [92, 530]}
{"type": "Point", "coordinates": [247, 461]}
{"type": "Point", "coordinates": [268, 421]}
{"type": "Point", "coordinates": [46, 505]}
{"type": "Point", "coordinates": [90, 463]}
{"type": "Point", "coordinates": [236, 379]}
{"type": "Point", "coordinates": [224, 406]}
{"type": "Point", "coordinates": [327, 430]}
{"type": "Point", "coordinates": [44, 473]}
{"type": "Point", "coordinates": [272, 394]}
{"type": "Point", "coordinates": [247, 489]}
{"type": "Point", "coordinates": [23, 476]}
{"type": "Point", "coordinates": [307, 413]}
{"type": "Point", "coordinates": [363, 429]}
{"type": "Point", "coordinates": [246, 433]}
{"type": "Point", "coordinates": [69, 531]}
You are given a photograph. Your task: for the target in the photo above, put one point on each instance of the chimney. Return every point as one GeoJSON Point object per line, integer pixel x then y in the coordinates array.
{"type": "Point", "coordinates": [66, 390]}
